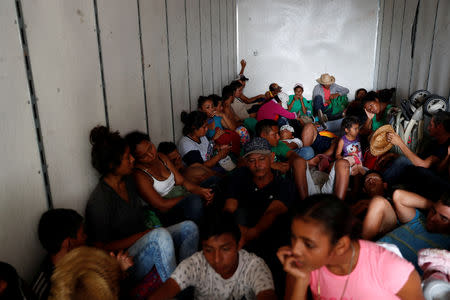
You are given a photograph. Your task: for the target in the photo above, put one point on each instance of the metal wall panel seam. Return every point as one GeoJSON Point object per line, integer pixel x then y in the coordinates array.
{"type": "Point", "coordinates": [212, 57]}
{"type": "Point", "coordinates": [379, 33]}
{"type": "Point", "coordinates": [401, 44]}
{"type": "Point", "coordinates": [389, 49]}
{"type": "Point", "coordinates": [142, 66]}
{"type": "Point", "coordinates": [432, 42]}
{"type": "Point", "coordinates": [34, 99]}
{"type": "Point", "coordinates": [228, 54]}
{"type": "Point", "coordinates": [100, 56]}
{"type": "Point", "coordinates": [201, 50]}
{"type": "Point", "coordinates": [235, 44]}
{"type": "Point", "coordinates": [170, 75]}
{"type": "Point", "coordinates": [220, 46]}
{"type": "Point", "coordinates": [187, 54]}
{"type": "Point", "coordinates": [413, 46]}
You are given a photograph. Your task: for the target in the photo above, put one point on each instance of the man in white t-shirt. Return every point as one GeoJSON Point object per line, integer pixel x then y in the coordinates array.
{"type": "Point", "coordinates": [220, 270]}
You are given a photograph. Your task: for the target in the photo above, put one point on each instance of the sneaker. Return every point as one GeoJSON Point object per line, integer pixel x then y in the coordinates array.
{"type": "Point", "coordinates": [322, 119]}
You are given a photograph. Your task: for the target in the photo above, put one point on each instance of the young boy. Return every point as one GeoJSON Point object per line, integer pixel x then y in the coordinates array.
{"type": "Point", "coordinates": [60, 231]}
{"type": "Point", "coordinates": [221, 270]}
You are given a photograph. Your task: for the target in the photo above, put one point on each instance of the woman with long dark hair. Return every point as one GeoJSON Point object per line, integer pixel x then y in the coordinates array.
{"type": "Point", "coordinates": [117, 219]}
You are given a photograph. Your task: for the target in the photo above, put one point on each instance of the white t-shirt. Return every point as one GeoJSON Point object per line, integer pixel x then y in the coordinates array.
{"type": "Point", "coordinates": [240, 108]}
{"type": "Point", "coordinates": [186, 144]}
{"type": "Point", "coordinates": [284, 98]}
{"type": "Point", "coordinates": [252, 276]}
{"type": "Point", "coordinates": [294, 140]}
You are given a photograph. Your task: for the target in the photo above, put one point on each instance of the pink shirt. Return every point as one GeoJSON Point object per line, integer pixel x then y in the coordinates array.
{"type": "Point", "coordinates": [379, 274]}
{"type": "Point", "coordinates": [327, 93]}
{"type": "Point", "coordinates": [271, 109]}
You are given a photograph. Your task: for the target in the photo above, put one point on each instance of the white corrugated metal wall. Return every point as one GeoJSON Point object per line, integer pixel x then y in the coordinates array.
{"type": "Point", "coordinates": [295, 41]}
{"type": "Point", "coordinates": [414, 47]}
{"type": "Point", "coordinates": [150, 61]}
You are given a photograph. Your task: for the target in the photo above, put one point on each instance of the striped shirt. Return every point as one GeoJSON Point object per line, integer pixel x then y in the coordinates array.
{"type": "Point", "coordinates": [413, 236]}
{"type": "Point", "coordinates": [42, 283]}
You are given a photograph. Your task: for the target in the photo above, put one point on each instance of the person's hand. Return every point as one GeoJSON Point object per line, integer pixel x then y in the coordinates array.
{"type": "Point", "coordinates": [394, 138]}
{"type": "Point", "coordinates": [124, 259]}
{"type": "Point", "coordinates": [223, 151]}
{"type": "Point", "coordinates": [369, 114]}
{"type": "Point", "coordinates": [219, 113]}
{"type": "Point", "coordinates": [206, 194]}
{"type": "Point", "coordinates": [283, 167]}
{"type": "Point", "coordinates": [243, 240]}
{"type": "Point", "coordinates": [448, 150]}
{"type": "Point", "coordinates": [287, 259]}
{"type": "Point", "coordinates": [218, 133]}
{"type": "Point", "coordinates": [243, 63]}
{"type": "Point", "coordinates": [296, 98]}
{"type": "Point", "coordinates": [334, 96]}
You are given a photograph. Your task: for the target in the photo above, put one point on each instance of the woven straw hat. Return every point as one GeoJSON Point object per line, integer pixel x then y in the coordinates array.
{"type": "Point", "coordinates": [86, 273]}
{"type": "Point", "coordinates": [378, 143]}
{"type": "Point", "coordinates": [325, 79]}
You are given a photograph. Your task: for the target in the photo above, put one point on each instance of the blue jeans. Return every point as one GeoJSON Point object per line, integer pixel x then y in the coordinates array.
{"type": "Point", "coordinates": [158, 247]}
{"type": "Point", "coordinates": [305, 152]}
{"type": "Point", "coordinates": [318, 103]}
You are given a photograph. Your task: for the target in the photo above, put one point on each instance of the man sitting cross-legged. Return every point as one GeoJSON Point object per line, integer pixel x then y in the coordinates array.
{"type": "Point", "coordinates": [220, 270]}
{"type": "Point", "coordinates": [419, 230]}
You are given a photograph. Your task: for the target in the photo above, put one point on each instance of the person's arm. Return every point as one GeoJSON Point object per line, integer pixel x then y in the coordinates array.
{"type": "Point", "coordinates": [226, 122]}
{"type": "Point", "coordinates": [445, 163]}
{"type": "Point", "coordinates": [121, 244]}
{"type": "Point", "coordinates": [243, 65]}
{"type": "Point", "coordinates": [406, 203]}
{"type": "Point", "coordinates": [167, 290]}
{"type": "Point", "coordinates": [297, 281]}
{"type": "Point", "coordinates": [291, 103]}
{"type": "Point", "coordinates": [339, 148]}
{"type": "Point", "coordinates": [232, 117]}
{"type": "Point", "coordinates": [412, 289]}
{"type": "Point", "coordinates": [366, 128]}
{"type": "Point", "coordinates": [341, 90]}
{"type": "Point", "coordinates": [303, 105]}
{"type": "Point", "coordinates": [275, 209]}
{"type": "Point", "coordinates": [222, 153]}
{"type": "Point", "coordinates": [231, 205]}
{"type": "Point", "coordinates": [148, 193]}
{"type": "Point", "coordinates": [279, 110]}
{"type": "Point", "coordinates": [317, 91]}
{"type": "Point", "coordinates": [180, 180]}
{"type": "Point", "coordinates": [247, 100]}
{"type": "Point", "coordinates": [395, 139]}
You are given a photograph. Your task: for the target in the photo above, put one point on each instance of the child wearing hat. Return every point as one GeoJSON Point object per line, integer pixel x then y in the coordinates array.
{"type": "Point", "coordinates": [300, 105]}
{"type": "Point", "coordinates": [287, 137]}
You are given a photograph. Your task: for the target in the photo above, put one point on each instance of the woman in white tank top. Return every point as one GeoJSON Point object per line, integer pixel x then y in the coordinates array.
{"type": "Point", "coordinates": [161, 185]}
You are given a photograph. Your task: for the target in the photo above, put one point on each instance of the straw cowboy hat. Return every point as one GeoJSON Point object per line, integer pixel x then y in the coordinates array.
{"type": "Point", "coordinates": [325, 79]}
{"type": "Point", "coordinates": [378, 143]}
{"type": "Point", "coordinates": [86, 273]}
